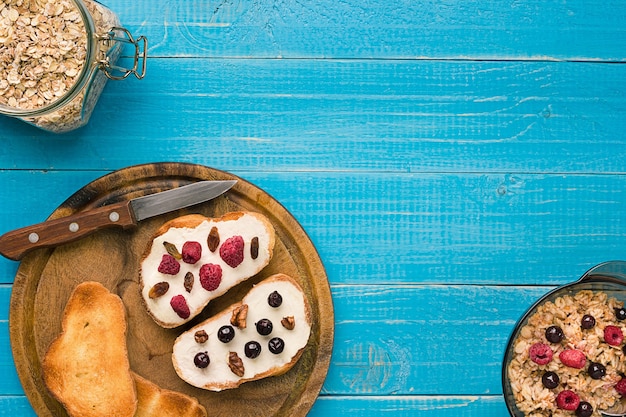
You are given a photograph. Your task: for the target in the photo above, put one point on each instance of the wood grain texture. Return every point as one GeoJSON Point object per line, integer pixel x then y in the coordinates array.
{"type": "Point", "coordinates": [16, 405]}
{"type": "Point", "coordinates": [368, 406]}
{"type": "Point", "coordinates": [376, 116]}
{"type": "Point", "coordinates": [451, 162]}
{"type": "Point", "coordinates": [527, 29]}
{"type": "Point", "coordinates": [46, 278]}
{"type": "Point", "coordinates": [15, 244]}
{"type": "Point", "coordinates": [426, 342]}
{"type": "Point", "coordinates": [432, 406]}
{"type": "Point", "coordinates": [425, 227]}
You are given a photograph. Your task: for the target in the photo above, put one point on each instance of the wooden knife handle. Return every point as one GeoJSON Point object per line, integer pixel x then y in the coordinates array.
{"type": "Point", "coordinates": [15, 244]}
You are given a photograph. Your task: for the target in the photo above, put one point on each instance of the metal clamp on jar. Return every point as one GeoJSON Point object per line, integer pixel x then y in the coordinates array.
{"type": "Point", "coordinates": [56, 57]}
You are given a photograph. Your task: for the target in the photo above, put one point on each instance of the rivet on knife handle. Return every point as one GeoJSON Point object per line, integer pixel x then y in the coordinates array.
{"type": "Point", "coordinates": [15, 244]}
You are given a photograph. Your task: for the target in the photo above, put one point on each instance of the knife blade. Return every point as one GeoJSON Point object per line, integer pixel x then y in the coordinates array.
{"type": "Point", "coordinates": [125, 214]}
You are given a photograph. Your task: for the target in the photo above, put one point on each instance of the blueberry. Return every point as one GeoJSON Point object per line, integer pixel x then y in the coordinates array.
{"type": "Point", "coordinates": [275, 299]}
{"type": "Point", "coordinates": [587, 322]}
{"type": "Point", "coordinates": [225, 334]}
{"type": "Point", "coordinates": [584, 409]}
{"type": "Point", "coordinates": [276, 345]}
{"type": "Point", "coordinates": [554, 334]}
{"type": "Point", "coordinates": [550, 380]}
{"type": "Point", "coordinates": [201, 360]}
{"type": "Point", "coordinates": [252, 349]}
{"type": "Point", "coordinates": [264, 327]}
{"type": "Point", "coordinates": [596, 370]}
{"type": "Point", "coordinates": [620, 313]}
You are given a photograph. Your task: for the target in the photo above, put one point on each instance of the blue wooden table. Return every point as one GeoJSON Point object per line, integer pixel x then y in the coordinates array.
{"type": "Point", "coordinates": [452, 161]}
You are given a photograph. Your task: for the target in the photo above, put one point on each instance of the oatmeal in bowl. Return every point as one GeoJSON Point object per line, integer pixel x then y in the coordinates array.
{"type": "Point", "coordinates": [567, 354]}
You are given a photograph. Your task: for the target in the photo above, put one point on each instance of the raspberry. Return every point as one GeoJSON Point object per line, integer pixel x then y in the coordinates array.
{"type": "Point", "coordinates": [567, 400]}
{"type": "Point", "coordinates": [179, 304]}
{"type": "Point", "coordinates": [192, 252]}
{"type": "Point", "coordinates": [621, 386]}
{"type": "Point", "coordinates": [231, 251]}
{"type": "Point", "coordinates": [169, 265]}
{"type": "Point", "coordinates": [613, 335]}
{"type": "Point", "coordinates": [210, 276]}
{"type": "Point", "coordinates": [573, 358]}
{"type": "Point", "coordinates": [540, 353]}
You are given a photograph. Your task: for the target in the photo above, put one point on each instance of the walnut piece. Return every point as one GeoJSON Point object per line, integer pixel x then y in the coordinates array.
{"type": "Point", "coordinates": [239, 316]}
{"type": "Point", "coordinates": [288, 322]}
{"type": "Point", "coordinates": [201, 336]}
{"type": "Point", "coordinates": [235, 364]}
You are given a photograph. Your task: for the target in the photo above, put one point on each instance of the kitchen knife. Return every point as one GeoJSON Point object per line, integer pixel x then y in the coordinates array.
{"type": "Point", "coordinates": [15, 244]}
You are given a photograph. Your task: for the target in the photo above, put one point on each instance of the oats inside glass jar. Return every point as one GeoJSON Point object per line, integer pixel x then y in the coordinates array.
{"type": "Point", "coordinates": [44, 45]}
{"type": "Point", "coordinates": [44, 48]}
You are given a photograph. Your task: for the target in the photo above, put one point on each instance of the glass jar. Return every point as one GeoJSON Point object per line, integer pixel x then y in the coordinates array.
{"type": "Point", "coordinates": [56, 57]}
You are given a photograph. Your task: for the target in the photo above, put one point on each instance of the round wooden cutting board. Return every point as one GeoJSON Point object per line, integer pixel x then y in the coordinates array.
{"type": "Point", "coordinates": [46, 278]}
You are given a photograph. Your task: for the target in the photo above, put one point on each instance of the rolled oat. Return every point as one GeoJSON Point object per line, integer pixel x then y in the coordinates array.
{"type": "Point", "coordinates": [525, 375]}
{"type": "Point", "coordinates": [43, 55]}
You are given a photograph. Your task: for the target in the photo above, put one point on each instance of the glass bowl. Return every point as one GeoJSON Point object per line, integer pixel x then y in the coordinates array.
{"type": "Point", "coordinates": [609, 277]}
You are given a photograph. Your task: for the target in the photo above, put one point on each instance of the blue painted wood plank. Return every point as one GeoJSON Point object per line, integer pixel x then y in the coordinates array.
{"type": "Point", "coordinates": [524, 29]}
{"type": "Point", "coordinates": [400, 116]}
{"type": "Point", "coordinates": [451, 162]}
{"type": "Point", "coordinates": [485, 406]}
{"type": "Point", "coordinates": [401, 339]}
{"type": "Point", "coordinates": [412, 228]}
{"type": "Point", "coordinates": [9, 383]}
{"type": "Point", "coordinates": [423, 340]}
{"type": "Point", "coordinates": [11, 405]}
{"type": "Point", "coordinates": [413, 406]}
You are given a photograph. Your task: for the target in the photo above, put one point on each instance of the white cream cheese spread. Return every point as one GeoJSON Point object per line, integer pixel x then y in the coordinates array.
{"type": "Point", "coordinates": [180, 278]}
{"type": "Point", "coordinates": [214, 370]}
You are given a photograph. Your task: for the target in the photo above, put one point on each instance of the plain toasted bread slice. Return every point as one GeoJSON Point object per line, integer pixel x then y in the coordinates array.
{"type": "Point", "coordinates": [86, 367]}
{"type": "Point", "coordinates": [154, 401]}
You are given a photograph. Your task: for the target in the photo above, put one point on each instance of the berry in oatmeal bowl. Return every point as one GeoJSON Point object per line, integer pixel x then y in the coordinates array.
{"type": "Point", "coordinates": [569, 357]}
